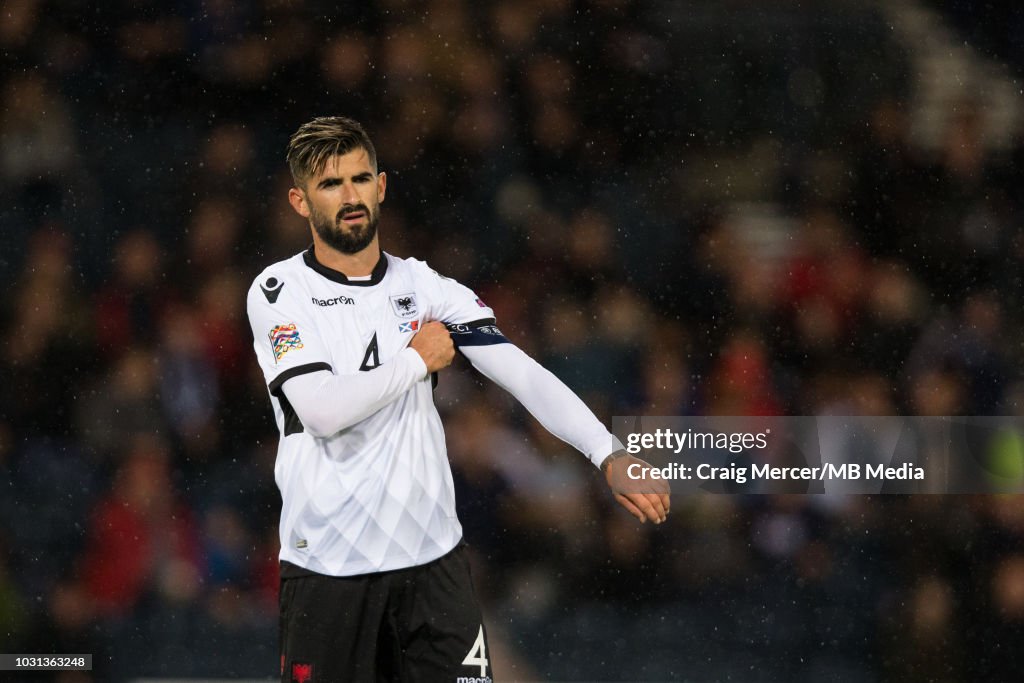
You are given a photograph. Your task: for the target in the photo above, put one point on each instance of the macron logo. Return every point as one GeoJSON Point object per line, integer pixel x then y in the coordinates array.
{"type": "Point", "coordinates": [336, 301]}
{"type": "Point", "coordinates": [271, 288]}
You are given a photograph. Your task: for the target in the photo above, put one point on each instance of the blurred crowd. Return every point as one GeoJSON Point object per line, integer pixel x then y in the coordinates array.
{"type": "Point", "coordinates": [714, 211]}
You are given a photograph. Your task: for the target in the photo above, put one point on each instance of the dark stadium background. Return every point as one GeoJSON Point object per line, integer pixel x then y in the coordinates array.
{"type": "Point", "coordinates": [703, 207]}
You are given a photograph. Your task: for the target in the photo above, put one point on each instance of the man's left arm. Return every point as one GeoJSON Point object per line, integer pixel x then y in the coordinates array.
{"type": "Point", "coordinates": [563, 414]}
{"type": "Point", "coordinates": [471, 324]}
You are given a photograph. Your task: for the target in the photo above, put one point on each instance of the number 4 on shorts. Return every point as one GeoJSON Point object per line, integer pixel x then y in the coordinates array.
{"type": "Point", "coordinates": [478, 654]}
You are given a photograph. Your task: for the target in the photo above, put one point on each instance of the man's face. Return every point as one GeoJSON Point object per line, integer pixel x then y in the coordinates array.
{"type": "Point", "coordinates": [343, 202]}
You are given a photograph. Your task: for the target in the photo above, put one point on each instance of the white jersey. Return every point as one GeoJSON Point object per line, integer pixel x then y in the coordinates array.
{"type": "Point", "coordinates": [377, 495]}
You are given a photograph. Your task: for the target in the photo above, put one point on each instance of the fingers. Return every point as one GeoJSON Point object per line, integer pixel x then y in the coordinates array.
{"type": "Point", "coordinates": [651, 505]}
{"type": "Point", "coordinates": [644, 506]}
{"type": "Point", "coordinates": [648, 499]}
{"type": "Point", "coordinates": [435, 346]}
{"type": "Point", "coordinates": [633, 509]}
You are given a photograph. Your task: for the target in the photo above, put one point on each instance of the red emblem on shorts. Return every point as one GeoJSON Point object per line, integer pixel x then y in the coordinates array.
{"type": "Point", "coordinates": [302, 673]}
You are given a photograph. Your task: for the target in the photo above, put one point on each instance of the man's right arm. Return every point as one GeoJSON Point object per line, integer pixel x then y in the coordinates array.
{"type": "Point", "coordinates": [326, 403]}
{"type": "Point", "coordinates": [298, 365]}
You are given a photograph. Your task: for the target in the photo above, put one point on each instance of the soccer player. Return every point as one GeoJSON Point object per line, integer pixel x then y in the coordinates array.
{"type": "Point", "coordinates": [375, 580]}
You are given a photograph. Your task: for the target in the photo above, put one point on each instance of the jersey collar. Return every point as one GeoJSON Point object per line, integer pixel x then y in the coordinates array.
{"type": "Point", "coordinates": [337, 276]}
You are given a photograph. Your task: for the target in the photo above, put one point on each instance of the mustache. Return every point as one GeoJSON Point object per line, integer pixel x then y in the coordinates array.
{"type": "Point", "coordinates": [349, 208]}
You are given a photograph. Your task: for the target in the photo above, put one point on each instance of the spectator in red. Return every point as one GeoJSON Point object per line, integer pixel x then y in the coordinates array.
{"type": "Point", "coordinates": [741, 380]}
{"type": "Point", "coordinates": [140, 533]}
{"type": "Point", "coordinates": [130, 303]}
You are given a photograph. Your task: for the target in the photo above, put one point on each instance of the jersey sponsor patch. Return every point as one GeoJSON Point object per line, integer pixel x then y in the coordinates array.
{"type": "Point", "coordinates": [404, 305]}
{"type": "Point", "coordinates": [411, 326]}
{"type": "Point", "coordinates": [283, 339]}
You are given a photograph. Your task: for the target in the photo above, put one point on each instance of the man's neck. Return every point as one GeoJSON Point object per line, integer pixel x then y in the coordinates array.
{"type": "Point", "coordinates": [356, 265]}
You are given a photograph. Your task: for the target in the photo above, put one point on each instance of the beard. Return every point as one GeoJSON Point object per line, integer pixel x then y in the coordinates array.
{"type": "Point", "coordinates": [348, 239]}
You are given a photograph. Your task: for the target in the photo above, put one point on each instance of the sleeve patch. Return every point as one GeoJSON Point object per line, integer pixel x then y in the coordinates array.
{"type": "Point", "coordinates": [283, 339]}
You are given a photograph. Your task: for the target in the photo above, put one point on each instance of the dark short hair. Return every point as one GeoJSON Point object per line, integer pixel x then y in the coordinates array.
{"type": "Point", "coordinates": [315, 142]}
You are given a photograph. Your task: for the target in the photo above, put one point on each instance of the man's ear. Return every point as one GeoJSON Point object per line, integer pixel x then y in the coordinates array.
{"type": "Point", "coordinates": [297, 198]}
{"type": "Point", "coordinates": [382, 185]}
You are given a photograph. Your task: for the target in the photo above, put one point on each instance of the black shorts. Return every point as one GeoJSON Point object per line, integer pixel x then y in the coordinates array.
{"type": "Point", "coordinates": [420, 624]}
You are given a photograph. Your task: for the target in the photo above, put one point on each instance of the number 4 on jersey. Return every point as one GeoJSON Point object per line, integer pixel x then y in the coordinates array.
{"type": "Point", "coordinates": [371, 359]}
{"type": "Point", "coordinates": [478, 654]}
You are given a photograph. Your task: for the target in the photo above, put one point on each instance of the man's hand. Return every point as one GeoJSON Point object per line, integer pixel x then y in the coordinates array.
{"type": "Point", "coordinates": [434, 344]}
{"type": "Point", "coordinates": [644, 498]}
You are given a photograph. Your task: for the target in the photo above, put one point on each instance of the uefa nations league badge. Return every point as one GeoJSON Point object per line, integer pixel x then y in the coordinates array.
{"type": "Point", "coordinates": [404, 305]}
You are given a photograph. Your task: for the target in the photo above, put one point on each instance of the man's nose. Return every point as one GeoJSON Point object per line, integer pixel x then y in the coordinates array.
{"type": "Point", "coordinates": [349, 194]}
